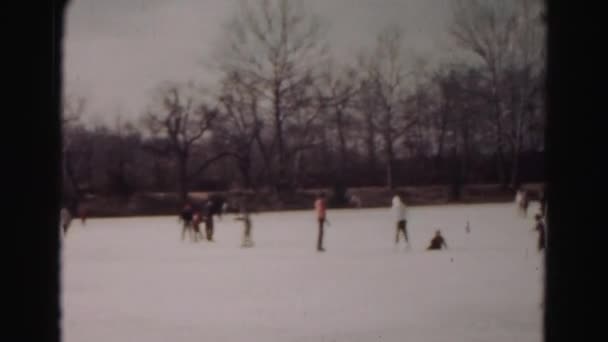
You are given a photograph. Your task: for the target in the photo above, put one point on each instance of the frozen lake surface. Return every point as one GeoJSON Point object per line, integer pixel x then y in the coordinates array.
{"type": "Point", "coordinates": [133, 279]}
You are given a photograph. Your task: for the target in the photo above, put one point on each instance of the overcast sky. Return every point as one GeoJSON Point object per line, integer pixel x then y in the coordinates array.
{"type": "Point", "coordinates": [116, 51]}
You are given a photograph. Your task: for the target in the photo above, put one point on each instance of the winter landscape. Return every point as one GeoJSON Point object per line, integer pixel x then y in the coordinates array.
{"type": "Point", "coordinates": [133, 279]}
{"type": "Point", "coordinates": [331, 126]}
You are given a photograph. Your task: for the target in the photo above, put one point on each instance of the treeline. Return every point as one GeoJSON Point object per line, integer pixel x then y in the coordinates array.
{"type": "Point", "coordinates": [285, 115]}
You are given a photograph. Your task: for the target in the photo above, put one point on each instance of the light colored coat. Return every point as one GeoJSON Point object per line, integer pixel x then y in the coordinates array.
{"type": "Point", "coordinates": [399, 210]}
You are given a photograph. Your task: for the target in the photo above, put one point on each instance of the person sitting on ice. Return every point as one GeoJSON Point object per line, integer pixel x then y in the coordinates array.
{"type": "Point", "coordinates": [541, 229]}
{"type": "Point", "coordinates": [438, 242]}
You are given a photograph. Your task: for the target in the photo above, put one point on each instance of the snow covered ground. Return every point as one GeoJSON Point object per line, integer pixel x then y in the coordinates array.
{"type": "Point", "coordinates": [133, 279]}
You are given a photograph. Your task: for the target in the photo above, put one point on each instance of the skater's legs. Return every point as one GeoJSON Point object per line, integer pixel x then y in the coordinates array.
{"type": "Point", "coordinates": [400, 229]}
{"type": "Point", "coordinates": [320, 239]}
{"type": "Point", "coordinates": [397, 235]}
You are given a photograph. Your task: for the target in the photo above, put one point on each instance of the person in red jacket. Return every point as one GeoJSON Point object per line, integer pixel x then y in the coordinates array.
{"type": "Point", "coordinates": [83, 214]}
{"type": "Point", "coordinates": [321, 208]}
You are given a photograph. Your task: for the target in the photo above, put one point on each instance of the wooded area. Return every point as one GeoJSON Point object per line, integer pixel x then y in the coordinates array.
{"type": "Point", "coordinates": [286, 115]}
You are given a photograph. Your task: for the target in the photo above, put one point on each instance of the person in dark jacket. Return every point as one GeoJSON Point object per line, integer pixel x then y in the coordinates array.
{"type": "Point", "coordinates": [438, 242]}
{"type": "Point", "coordinates": [186, 218]}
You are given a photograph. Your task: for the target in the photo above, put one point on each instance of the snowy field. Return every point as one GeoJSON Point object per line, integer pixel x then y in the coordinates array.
{"type": "Point", "coordinates": [133, 279]}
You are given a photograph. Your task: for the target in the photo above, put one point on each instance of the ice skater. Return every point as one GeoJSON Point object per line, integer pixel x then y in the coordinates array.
{"type": "Point", "coordinates": [541, 229]}
{"type": "Point", "coordinates": [467, 228]}
{"type": "Point", "coordinates": [83, 214]}
{"type": "Point", "coordinates": [196, 226]}
{"type": "Point", "coordinates": [522, 202]}
{"type": "Point", "coordinates": [186, 220]}
{"type": "Point", "coordinates": [245, 216]}
{"type": "Point", "coordinates": [321, 210]}
{"type": "Point", "coordinates": [209, 221]}
{"type": "Point", "coordinates": [65, 219]}
{"type": "Point", "coordinates": [438, 242]}
{"type": "Point", "coordinates": [400, 212]}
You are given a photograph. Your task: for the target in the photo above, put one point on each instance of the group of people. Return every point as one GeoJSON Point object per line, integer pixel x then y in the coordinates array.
{"type": "Point", "coordinates": [400, 213]}
{"type": "Point", "coordinates": [191, 220]}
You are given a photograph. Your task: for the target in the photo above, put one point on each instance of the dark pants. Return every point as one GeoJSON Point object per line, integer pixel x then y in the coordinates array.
{"type": "Point", "coordinates": [247, 242]}
{"type": "Point", "coordinates": [209, 231]}
{"type": "Point", "coordinates": [187, 227]}
{"type": "Point", "coordinates": [541, 241]}
{"type": "Point", "coordinates": [320, 240]}
{"type": "Point", "coordinates": [401, 227]}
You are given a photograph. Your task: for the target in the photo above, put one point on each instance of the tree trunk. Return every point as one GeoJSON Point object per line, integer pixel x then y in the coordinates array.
{"type": "Point", "coordinates": [244, 164]}
{"type": "Point", "coordinates": [390, 161]}
{"type": "Point", "coordinates": [278, 127]}
{"type": "Point", "coordinates": [370, 142]}
{"type": "Point", "coordinates": [342, 144]}
{"type": "Point", "coordinates": [182, 177]}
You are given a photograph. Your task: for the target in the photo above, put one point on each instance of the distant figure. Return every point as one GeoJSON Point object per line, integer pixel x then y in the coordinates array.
{"type": "Point", "coordinates": [438, 242]}
{"type": "Point", "coordinates": [399, 210]}
{"type": "Point", "coordinates": [83, 214]}
{"type": "Point", "coordinates": [541, 229]}
{"type": "Point", "coordinates": [196, 226]}
{"type": "Point", "coordinates": [65, 219]}
{"type": "Point", "coordinates": [467, 228]}
{"type": "Point", "coordinates": [522, 202]}
{"type": "Point", "coordinates": [186, 218]}
{"type": "Point", "coordinates": [321, 208]}
{"type": "Point", "coordinates": [225, 208]}
{"type": "Point", "coordinates": [245, 217]}
{"type": "Point", "coordinates": [355, 201]}
{"type": "Point", "coordinates": [209, 221]}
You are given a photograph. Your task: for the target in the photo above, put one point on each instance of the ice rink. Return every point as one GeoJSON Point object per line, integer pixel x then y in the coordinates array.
{"type": "Point", "coordinates": [133, 279]}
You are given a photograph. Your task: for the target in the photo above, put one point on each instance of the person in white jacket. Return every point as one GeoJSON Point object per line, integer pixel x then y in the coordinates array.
{"type": "Point", "coordinates": [400, 214]}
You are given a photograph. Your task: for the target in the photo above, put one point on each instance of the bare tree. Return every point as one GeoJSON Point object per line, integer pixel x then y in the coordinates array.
{"type": "Point", "coordinates": [503, 36]}
{"type": "Point", "coordinates": [241, 125]}
{"type": "Point", "coordinates": [337, 90]}
{"type": "Point", "coordinates": [277, 46]}
{"type": "Point", "coordinates": [385, 73]}
{"type": "Point", "coordinates": [182, 122]}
